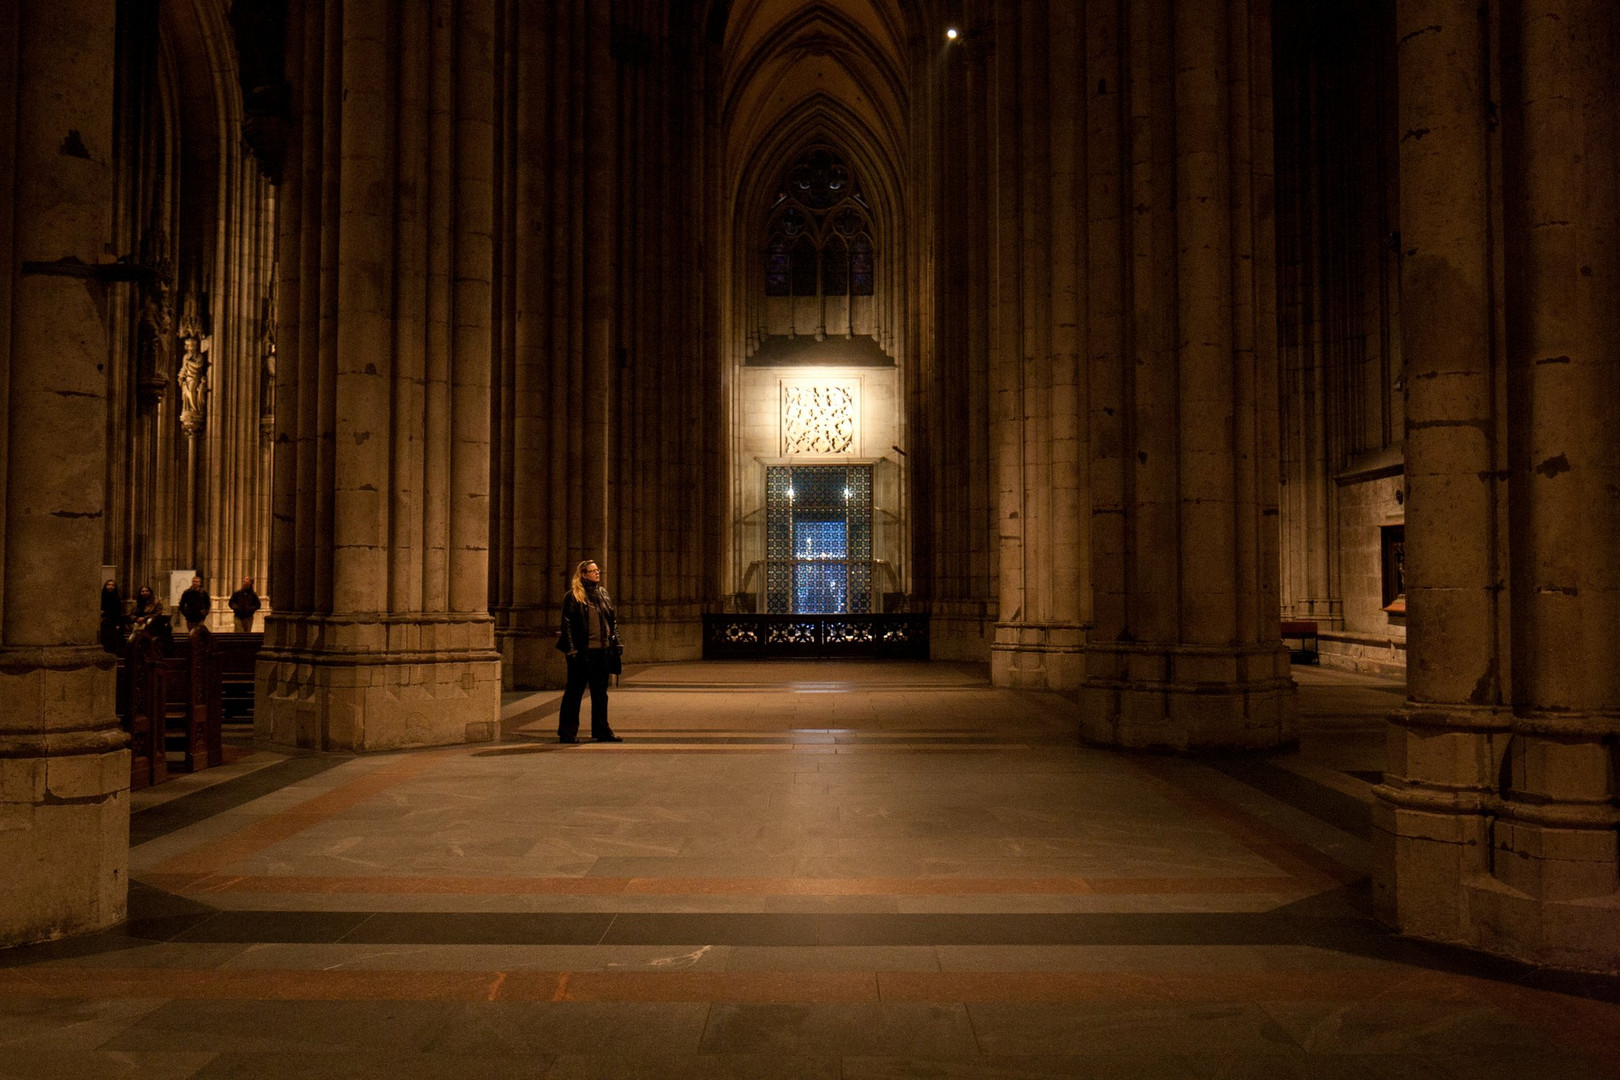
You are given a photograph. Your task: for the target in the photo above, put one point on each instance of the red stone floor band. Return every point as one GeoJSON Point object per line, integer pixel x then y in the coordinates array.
{"type": "Point", "coordinates": [587, 667]}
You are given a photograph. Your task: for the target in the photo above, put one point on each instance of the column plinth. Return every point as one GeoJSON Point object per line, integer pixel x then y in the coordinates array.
{"type": "Point", "coordinates": [1187, 697]}
{"type": "Point", "coordinates": [64, 795]}
{"type": "Point", "coordinates": [1027, 656]}
{"type": "Point", "coordinates": [378, 683]}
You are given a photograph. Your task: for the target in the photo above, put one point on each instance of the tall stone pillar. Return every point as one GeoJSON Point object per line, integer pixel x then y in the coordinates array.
{"type": "Point", "coordinates": [1445, 748]}
{"type": "Point", "coordinates": [1039, 394]}
{"type": "Point", "coordinates": [1185, 651]}
{"type": "Point", "coordinates": [954, 492]}
{"type": "Point", "coordinates": [1497, 821]}
{"type": "Point", "coordinates": [64, 772]}
{"type": "Point", "coordinates": [382, 637]}
{"type": "Point", "coordinates": [601, 357]}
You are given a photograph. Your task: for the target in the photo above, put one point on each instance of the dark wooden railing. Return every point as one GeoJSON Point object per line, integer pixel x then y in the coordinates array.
{"type": "Point", "coordinates": [143, 695]}
{"type": "Point", "coordinates": [237, 654]}
{"type": "Point", "coordinates": [895, 636]}
{"type": "Point", "coordinates": [173, 701]}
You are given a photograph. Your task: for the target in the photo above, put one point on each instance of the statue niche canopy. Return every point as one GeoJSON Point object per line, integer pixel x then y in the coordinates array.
{"type": "Point", "coordinates": [818, 268]}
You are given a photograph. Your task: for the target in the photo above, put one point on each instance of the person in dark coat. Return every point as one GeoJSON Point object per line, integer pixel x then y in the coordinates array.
{"type": "Point", "coordinates": [147, 605]}
{"type": "Point", "coordinates": [195, 603]}
{"type": "Point", "coordinates": [589, 637]}
{"type": "Point", "coordinates": [114, 626]}
{"type": "Point", "coordinates": [151, 617]}
{"type": "Point", "coordinates": [244, 604]}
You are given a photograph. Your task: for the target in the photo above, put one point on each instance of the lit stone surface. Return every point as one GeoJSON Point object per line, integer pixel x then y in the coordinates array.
{"type": "Point", "coordinates": [1178, 311]}
{"type": "Point", "coordinates": [64, 775]}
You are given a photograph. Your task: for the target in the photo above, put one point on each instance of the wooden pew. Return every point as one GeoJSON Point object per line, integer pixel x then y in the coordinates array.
{"type": "Point", "coordinates": [237, 655]}
{"type": "Point", "coordinates": [1303, 631]}
{"type": "Point", "coordinates": [143, 690]}
{"type": "Point", "coordinates": [195, 712]}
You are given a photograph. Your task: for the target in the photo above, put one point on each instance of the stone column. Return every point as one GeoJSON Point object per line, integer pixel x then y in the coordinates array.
{"type": "Point", "coordinates": [1444, 750]}
{"type": "Point", "coordinates": [955, 501]}
{"type": "Point", "coordinates": [64, 772]}
{"type": "Point", "coordinates": [382, 512]}
{"type": "Point", "coordinates": [1185, 652]}
{"type": "Point", "coordinates": [656, 429]}
{"type": "Point", "coordinates": [1556, 837]}
{"type": "Point", "coordinates": [1497, 821]}
{"type": "Point", "coordinates": [1036, 376]}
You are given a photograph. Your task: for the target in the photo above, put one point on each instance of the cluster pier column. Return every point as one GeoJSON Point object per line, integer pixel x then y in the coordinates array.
{"type": "Point", "coordinates": [1037, 385]}
{"type": "Point", "coordinates": [1184, 652]}
{"type": "Point", "coordinates": [64, 772]}
{"type": "Point", "coordinates": [1497, 824]}
{"type": "Point", "coordinates": [600, 362]}
{"type": "Point", "coordinates": [382, 637]}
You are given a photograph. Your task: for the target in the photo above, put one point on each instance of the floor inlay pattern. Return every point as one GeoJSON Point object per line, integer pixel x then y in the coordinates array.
{"type": "Point", "coordinates": [842, 870]}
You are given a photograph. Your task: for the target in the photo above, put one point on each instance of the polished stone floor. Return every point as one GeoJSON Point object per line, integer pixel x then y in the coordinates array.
{"type": "Point", "coordinates": [785, 870]}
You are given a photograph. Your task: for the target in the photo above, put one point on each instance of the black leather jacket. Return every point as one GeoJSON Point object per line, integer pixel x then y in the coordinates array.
{"type": "Point", "coordinates": [573, 634]}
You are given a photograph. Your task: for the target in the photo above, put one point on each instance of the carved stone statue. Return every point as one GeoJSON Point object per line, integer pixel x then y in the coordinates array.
{"type": "Point", "coordinates": [154, 340]}
{"type": "Point", "coordinates": [267, 367]}
{"type": "Point", "coordinates": [193, 373]}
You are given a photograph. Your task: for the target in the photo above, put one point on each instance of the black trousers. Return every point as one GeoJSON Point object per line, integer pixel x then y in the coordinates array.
{"type": "Point", "coordinates": [589, 667]}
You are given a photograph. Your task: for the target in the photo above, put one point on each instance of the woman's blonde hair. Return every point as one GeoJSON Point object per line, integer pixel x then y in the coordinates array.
{"type": "Point", "coordinates": [577, 585]}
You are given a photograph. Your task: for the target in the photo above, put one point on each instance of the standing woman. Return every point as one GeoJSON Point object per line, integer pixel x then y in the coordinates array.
{"type": "Point", "coordinates": [589, 638]}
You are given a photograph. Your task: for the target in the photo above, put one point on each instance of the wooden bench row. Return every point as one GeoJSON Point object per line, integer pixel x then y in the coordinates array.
{"type": "Point", "coordinates": [172, 703]}
{"type": "Point", "coordinates": [1300, 634]}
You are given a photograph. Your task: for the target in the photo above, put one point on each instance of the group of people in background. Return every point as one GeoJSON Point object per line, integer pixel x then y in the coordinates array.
{"type": "Point", "coordinates": [588, 636]}
{"type": "Point", "coordinates": [148, 614]}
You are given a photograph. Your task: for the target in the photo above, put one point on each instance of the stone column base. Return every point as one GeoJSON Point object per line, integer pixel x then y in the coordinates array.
{"type": "Point", "coordinates": [961, 630]}
{"type": "Point", "coordinates": [1462, 857]}
{"type": "Point", "coordinates": [329, 682]}
{"type": "Point", "coordinates": [1046, 656]}
{"type": "Point", "coordinates": [64, 795]}
{"type": "Point", "coordinates": [529, 659]}
{"type": "Point", "coordinates": [1188, 697]}
{"type": "Point", "coordinates": [526, 638]}
{"type": "Point", "coordinates": [653, 633]}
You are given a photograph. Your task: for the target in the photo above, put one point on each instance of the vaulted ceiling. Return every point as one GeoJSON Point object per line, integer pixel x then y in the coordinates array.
{"type": "Point", "coordinates": [831, 71]}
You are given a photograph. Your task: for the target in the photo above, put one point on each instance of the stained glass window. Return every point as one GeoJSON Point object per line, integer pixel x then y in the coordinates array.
{"type": "Point", "coordinates": [804, 267]}
{"type": "Point", "coordinates": [834, 268]}
{"type": "Point", "coordinates": [778, 261]}
{"type": "Point", "coordinates": [861, 261]}
{"type": "Point", "coordinates": [819, 222]}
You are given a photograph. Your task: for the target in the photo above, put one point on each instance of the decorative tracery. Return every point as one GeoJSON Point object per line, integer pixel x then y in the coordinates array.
{"type": "Point", "coordinates": [819, 232]}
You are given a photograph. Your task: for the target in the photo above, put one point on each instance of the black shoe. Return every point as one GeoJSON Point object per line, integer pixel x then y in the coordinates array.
{"type": "Point", "coordinates": [606, 738]}
{"type": "Point", "coordinates": [570, 741]}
